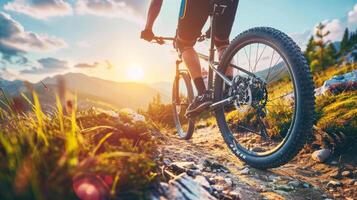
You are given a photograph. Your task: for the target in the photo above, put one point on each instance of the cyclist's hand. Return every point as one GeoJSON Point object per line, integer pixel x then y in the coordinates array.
{"type": "Point", "coordinates": [147, 35]}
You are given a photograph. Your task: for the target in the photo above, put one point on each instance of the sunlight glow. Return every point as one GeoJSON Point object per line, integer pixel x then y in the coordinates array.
{"type": "Point", "coordinates": [134, 72]}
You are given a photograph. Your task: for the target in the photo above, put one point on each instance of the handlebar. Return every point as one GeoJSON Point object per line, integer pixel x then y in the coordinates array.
{"type": "Point", "coordinates": [161, 40]}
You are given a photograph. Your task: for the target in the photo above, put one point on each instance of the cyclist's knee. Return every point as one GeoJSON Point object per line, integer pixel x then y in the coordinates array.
{"type": "Point", "coordinates": [184, 45]}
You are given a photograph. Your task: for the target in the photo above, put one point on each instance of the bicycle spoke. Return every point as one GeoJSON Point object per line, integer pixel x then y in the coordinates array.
{"type": "Point", "coordinates": [273, 67]}
{"type": "Point", "coordinates": [276, 75]}
{"type": "Point", "coordinates": [271, 62]}
{"type": "Point", "coordinates": [250, 53]}
{"type": "Point", "coordinates": [256, 57]}
{"type": "Point", "coordinates": [246, 55]}
{"type": "Point", "coordinates": [282, 96]}
{"type": "Point", "coordinates": [255, 67]}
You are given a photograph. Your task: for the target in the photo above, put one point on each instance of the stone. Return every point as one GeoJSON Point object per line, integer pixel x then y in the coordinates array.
{"type": "Point", "coordinates": [344, 82]}
{"type": "Point", "coordinates": [321, 155]}
{"type": "Point", "coordinates": [166, 161]}
{"type": "Point", "coordinates": [295, 184]}
{"type": "Point", "coordinates": [218, 188]}
{"type": "Point", "coordinates": [215, 166]}
{"type": "Point", "coordinates": [234, 194]}
{"type": "Point", "coordinates": [187, 165]}
{"type": "Point", "coordinates": [333, 162]}
{"type": "Point", "coordinates": [334, 184]}
{"type": "Point", "coordinates": [306, 185]}
{"type": "Point", "coordinates": [336, 175]}
{"type": "Point", "coordinates": [273, 178]}
{"type": "Point", "coordinates": [203, 182]}
{"type": "Point", "coordinates": [229, 182]}
{"type": "Point", "coordinates": [219, 180]}
{"type": "Point", "coordinates": [346, 173]}
{"type": "Point", "coordinates": [351, 181]}
{"type": "Point", "coordinates": [194, 172]}
{"type": "Point", "coordinates": [245, 171]}
{"type": "Point", "coordinates": [285, 188]}
{"type": "Point", "coordinates": [183, 166]}
{"type": "Point", "coordinates": [185, 187]}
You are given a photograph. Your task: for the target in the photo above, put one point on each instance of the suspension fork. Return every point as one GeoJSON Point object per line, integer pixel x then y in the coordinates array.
{"type": "Point", "coordinates": [211, 50]}
{"type": "Point", "coordinates": [177, 79]}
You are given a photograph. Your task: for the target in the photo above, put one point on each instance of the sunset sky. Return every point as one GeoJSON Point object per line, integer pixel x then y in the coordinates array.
{"type": "Point", "coordinates": [40, 38]}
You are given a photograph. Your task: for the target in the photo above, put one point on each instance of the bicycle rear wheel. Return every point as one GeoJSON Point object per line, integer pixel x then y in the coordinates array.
{"type": "Point", "coordinates": [273, 114]}
{"type": "Point", "coordinates": [182, 96]}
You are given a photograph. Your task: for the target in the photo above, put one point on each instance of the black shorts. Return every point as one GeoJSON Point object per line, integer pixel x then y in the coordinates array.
{"type": "Point", "coordinates": [193, 16]}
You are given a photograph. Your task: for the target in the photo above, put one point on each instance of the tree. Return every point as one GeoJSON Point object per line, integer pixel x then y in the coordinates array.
{"type": "Point", "coordinates": [325, 53]}
{"type": "Point", "coordinates": [345, 42]}
{"type": "Point", "coordinates": [310, 49]}
{"type": "Point", "coordinates": [331, 55]}
{"type": "Point", "coordinates": [321, 34]}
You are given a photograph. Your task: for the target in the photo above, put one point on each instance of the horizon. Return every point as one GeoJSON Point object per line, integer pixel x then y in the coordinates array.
{"type": "Point", "coordinates": [116, 52]}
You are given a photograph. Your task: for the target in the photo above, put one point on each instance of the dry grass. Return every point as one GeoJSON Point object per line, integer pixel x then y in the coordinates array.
{"type": "Point", "coordinates": [337, 115]}
{"type": "Point", "coordinates": [41, 153]}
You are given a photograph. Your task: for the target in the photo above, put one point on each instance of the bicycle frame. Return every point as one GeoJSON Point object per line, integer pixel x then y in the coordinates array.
{"type": "Point", "coordinates": [213, 65]}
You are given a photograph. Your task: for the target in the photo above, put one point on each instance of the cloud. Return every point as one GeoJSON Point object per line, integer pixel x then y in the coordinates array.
{"type": "Point", "coordinates": [83, 44]}
{"type": "Point", "coordinates": [47, 66]}
{"type": "Point", "coordinates": [5, 73]}
{"type": "Point", "coordinates": [15, 41]}
{"type": "Point", "coordinates": [302, 38]}
{"type": "Point", "coordinates": [40, 9]}
{"type": "Point", "coordinates": [127, 9]}
{"type": "Point", "coordinates": [336, 29]}
{"type": "Point", "coordinates": [352, 15]}
{"type": "Point", "coordinates": [86, 65]}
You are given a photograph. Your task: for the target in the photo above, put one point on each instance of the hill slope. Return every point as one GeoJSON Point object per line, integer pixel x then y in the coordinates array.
{"type": "Point", "coordinates": [90, 90]}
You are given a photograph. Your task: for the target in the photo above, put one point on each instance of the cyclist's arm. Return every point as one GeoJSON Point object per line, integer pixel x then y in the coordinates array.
{"type": "Point", "coordinates": [154, 11]}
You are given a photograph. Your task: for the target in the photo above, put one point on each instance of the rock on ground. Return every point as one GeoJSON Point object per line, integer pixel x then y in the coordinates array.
{"type": "Point", "coordinates": [321, 155]}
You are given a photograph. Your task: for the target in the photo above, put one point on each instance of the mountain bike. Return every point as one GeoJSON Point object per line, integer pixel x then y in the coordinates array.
{"type": "Point", "coordinates": [265, 113]}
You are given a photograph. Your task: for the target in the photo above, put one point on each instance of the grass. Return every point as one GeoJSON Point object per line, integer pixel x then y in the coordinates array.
{"type": "Point", "coordinates": [42, 154]}
{"type": "Point", "coordinates": [337, 115]}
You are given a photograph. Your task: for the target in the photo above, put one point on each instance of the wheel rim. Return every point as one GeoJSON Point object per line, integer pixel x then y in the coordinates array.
{"type": "Point", "coordinates": [246, 127]}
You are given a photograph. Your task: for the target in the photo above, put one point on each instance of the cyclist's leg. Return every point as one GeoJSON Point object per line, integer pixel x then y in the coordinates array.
{"type": "Point", "coordinates": [224, 27]}
{"type": "Point", "coordinates": [193, 15]}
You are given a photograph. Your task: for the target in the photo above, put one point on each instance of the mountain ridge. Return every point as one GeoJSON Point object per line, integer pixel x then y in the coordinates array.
{"type": "Point", "coordinates": [119, 94]}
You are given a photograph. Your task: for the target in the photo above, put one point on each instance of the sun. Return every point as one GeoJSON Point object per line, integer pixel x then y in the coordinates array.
{"type": "Point", "coordinates": [135, 73]}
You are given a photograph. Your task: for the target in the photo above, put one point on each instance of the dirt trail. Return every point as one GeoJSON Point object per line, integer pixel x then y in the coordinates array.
{"type": "Point", "coordinates": [295, 180]}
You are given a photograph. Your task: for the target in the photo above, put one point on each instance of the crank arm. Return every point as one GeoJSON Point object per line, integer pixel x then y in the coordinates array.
{"type": "Point", "coordinates": [223, 103]}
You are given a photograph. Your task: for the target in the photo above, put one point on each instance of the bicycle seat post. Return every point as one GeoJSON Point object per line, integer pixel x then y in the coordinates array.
{"type": "Point", "coordinates": [218, 9]}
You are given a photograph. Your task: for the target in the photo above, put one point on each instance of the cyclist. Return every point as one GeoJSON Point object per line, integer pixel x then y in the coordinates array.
{"type": "Point", "coordinates": [193, 16]}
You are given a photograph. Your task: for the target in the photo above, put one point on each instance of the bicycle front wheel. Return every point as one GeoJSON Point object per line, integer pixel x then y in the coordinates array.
{"type": "Point", "coordinates": [272, 115]}
{"type": "Point", "coordinates": [182, 96]}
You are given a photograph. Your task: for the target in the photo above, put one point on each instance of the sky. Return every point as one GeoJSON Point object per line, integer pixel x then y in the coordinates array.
{"type": "Point", "coordinates": [41, 38]}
